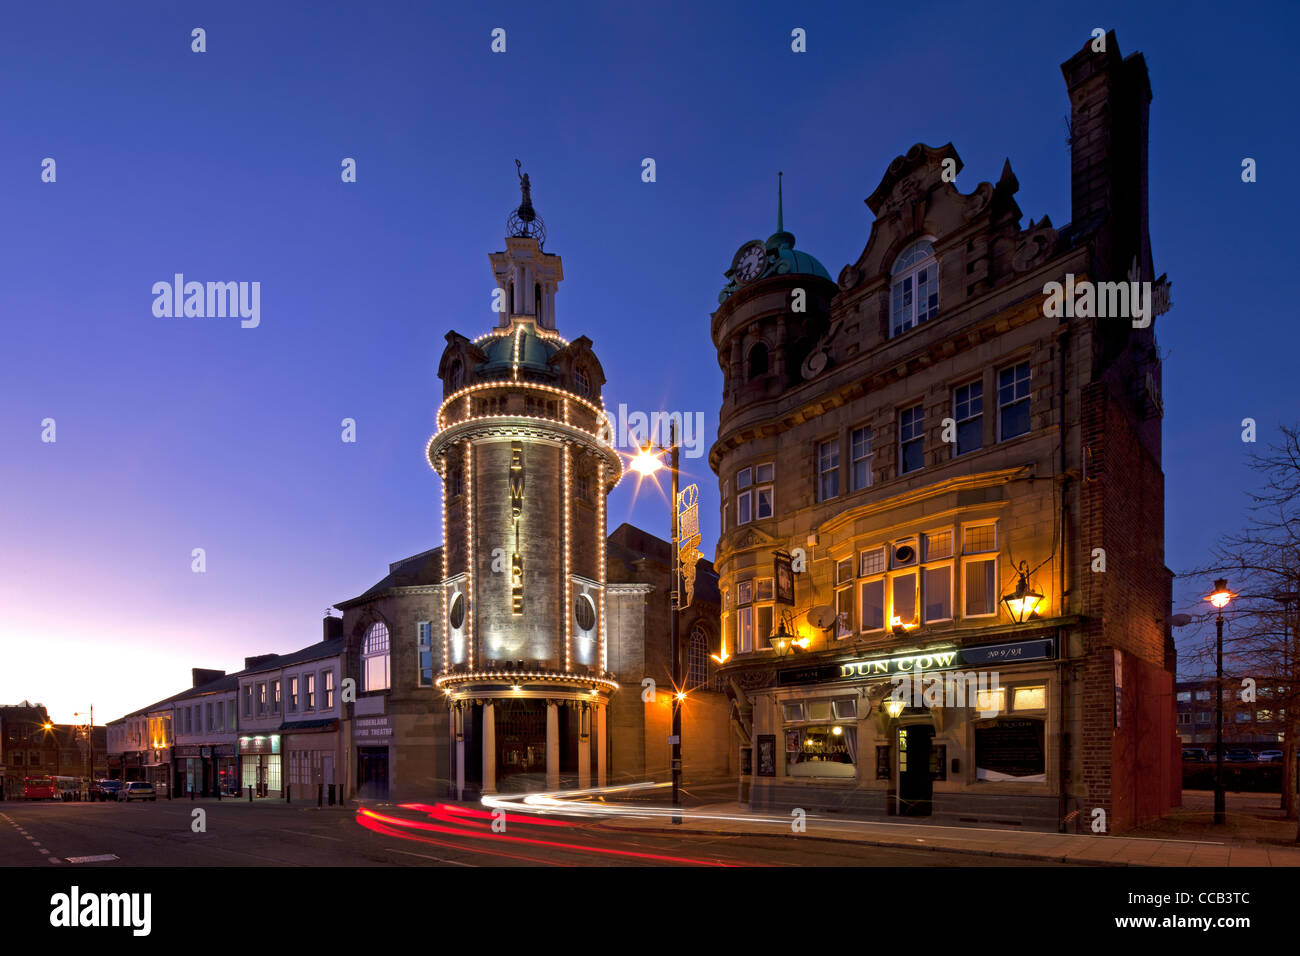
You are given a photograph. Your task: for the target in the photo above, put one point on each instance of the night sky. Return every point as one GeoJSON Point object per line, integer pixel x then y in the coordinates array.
{"type": "Point", "coordinates": [183, 433]}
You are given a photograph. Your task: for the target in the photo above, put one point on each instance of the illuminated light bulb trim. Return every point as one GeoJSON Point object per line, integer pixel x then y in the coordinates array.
{"type": "Point", "coordinates": [518, 677]}
{"type": "Point", "coordinates": [481, 386]}
{"type": "Point", "coordinates": [568, 567]}
{"type": "Point", "coordinates": [469, 551]}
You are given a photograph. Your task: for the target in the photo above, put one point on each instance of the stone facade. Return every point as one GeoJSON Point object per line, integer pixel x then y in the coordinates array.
{"type": "Point", "coordinates": [918, 435]}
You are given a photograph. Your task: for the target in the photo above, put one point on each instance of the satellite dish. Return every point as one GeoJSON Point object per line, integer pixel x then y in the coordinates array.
{"type": "Point", "coordinates": [1180, 620]}
{"type": "Point", "coordinates": [823, 616]}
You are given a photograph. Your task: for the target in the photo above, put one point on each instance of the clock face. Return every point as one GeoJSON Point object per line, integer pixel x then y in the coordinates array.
{"type": "Point", "coordinates": [750, 261]}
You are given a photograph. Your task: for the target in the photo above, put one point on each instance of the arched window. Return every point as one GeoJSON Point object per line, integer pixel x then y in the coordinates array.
{"type": "Point", "coordinates": [914, 289]}
{"type": "Point", "coordinates": [580, 383]}
{"type": "Point", "coordinates": [374, 658]}
{"type": "Point", "coordinates": [697, 658]}
{"type": "Point", "coordinates": [757, 361]}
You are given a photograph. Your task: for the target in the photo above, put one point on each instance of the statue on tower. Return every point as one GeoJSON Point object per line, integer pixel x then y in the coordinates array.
{"type": "Point", "coordinates": [524, 221]}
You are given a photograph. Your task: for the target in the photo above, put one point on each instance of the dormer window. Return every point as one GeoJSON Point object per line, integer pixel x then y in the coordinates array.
{"type": "Point", "coordinates": [580, 383]}
{"type": "Point", "coordinates": [914, 289]}
{"type": "Point", "coordinates": [455, 375]}
{"type": "Point", "coordinates": [757, 361]}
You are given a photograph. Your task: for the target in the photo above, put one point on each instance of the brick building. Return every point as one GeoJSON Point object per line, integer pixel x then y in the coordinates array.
{"type": "Point", "coordinates": [964, 473]}
{"type": "Point", "coordinates": [1255, 724]}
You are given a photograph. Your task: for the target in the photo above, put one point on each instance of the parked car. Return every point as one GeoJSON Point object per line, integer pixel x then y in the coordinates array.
{"type": "Point", "coordinates": [1238, 755]}
{"type": "Point", "coordinates": [137, 790]}
{"type": "Point", "coordinates": [1269, 756]}
{"type": "Point", "coordinates": [1196, 754]}
{"type": "Point", "coordinates": [105, 789]}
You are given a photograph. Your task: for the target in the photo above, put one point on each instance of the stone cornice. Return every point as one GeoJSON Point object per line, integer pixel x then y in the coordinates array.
{"type": "Point", "coordinates": [985, 479]}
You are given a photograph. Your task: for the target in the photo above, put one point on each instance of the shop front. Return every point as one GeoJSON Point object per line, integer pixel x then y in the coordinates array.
{"type": "Point", "coordinates": [259, 762]}
{"type": "Point", "coordinates": [960, 734]}
{"type": "Point", "coordinates": [372, 736]}
{"type": "Point", "coordinates": [311, 752]}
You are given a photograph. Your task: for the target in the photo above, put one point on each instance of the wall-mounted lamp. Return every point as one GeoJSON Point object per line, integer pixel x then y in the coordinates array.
{"type": "Point", "coordinates": [1023, 602]}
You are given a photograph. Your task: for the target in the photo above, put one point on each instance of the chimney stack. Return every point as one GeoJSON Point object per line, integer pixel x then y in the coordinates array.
{"type": "Point", "coordinates": [333, 628]}
{"type": "Point", "coordinates": [1110, 99]}
{"type": "Point", "coordinates": [204, 675]}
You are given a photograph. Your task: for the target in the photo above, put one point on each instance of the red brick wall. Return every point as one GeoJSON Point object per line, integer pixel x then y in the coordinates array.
{"type": "Point", "coordinates": [1126, 771]}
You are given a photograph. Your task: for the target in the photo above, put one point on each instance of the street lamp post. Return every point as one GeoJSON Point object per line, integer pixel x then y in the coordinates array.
{"type": "Point", "coordinates": [1219, 598]}
{"type": "Point", "coordinates": [676, 650]}
{"type": "Point", "coordinates": [646, 463]}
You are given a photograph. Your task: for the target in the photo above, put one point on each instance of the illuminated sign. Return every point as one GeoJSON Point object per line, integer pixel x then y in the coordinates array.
{"type": "Point", "coordinates": [930, 660]}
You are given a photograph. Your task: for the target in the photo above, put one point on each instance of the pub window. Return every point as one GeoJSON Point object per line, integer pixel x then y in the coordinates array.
{"type": "Point", "coordinates": [860, 457]}
{"type": "Point", "coordinates": [846, 708]}
{"type": "Point", "coordinates": [844, 625]}
{"type": "Point", "coordinates": [990, 700]}
{"type": "Point", "coordinates": [1029, 698]}
{"type": "Point", "coordinates": [744, 496]}
{"type": "Point", "coordinates": [911, 439]}
{"type": "Point", "coordinates": [821, 750]}
{"type": "Point", "coordinates": [1011, 749]}
{"type": "Point", "coordinates": [794, 711]}
{"type": "Point", "coordinates": [745, 616]}
{"type": "Point", "coordinates": [936, 582]}
{"type": "Point", "coordinates": [1013, 401]}
{"type": "Point", "coordinates": [763, 499]}
{"type": "Point", "coordinates": [828, 470]}
{"type": "Point", "coordinates": [979, 573]}
{"type": "Point", "coordinates": [763, 611]}
{"type": "Point", "coordinates": [968, 412]}
{"type": "Point", "coordinates": [914, 288]}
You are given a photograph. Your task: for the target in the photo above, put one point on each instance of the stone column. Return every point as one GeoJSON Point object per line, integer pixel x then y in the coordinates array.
{"type": "Point", "coordinates": [600, 745]}
{"type": "Point", "coordinates": [459, 741]}
{"type": "Point", "coordinates": [489, 747]}
{"type": "Point", "coordinates": [552, 746]}
{"type": "Point", "coordinates": [584, 745]}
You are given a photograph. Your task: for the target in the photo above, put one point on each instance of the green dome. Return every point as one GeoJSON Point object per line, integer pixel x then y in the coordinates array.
{"type": "Point", "coordinates": [784, 259]}
{"type": "Point", "coordinates": [534, 351]}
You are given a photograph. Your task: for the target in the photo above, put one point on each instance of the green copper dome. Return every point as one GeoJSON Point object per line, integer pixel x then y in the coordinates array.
{"type": "Point", "coordinates": [534, 351]}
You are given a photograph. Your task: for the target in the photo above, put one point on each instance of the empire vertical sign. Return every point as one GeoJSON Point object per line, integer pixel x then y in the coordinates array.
{"type": "Point", "coordinates": [688, 537]}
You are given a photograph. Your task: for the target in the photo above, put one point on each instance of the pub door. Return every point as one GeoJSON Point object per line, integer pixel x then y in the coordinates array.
{"type": "Point", "coordinates": [915, 785]}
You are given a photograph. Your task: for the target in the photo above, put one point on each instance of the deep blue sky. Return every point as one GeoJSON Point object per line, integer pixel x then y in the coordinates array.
{"type": "Point", "coordinates": [183, 433]}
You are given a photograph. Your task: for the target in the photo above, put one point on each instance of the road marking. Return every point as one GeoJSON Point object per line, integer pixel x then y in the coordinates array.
{"type": "Point", "coordinates": [427, 857]}
{"type": "Point", "coordinates": [318, 836]}
{"type": "Point", "coordinates": [101, 858]}
{"type": "Point", "coordinates": [45, 851]}
{"type": "Point", "coordinates": [53, 859]}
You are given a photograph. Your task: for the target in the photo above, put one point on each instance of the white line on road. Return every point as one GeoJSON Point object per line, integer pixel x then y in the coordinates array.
{"type": "Point", "coordinates": [101, 858]}
{"type": "Point", "coordinates": [318, 836]}
{"type": "Point", "coordinates": [427, 857]}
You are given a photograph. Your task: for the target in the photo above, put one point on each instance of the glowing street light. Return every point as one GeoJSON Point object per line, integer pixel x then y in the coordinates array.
{"type": "Point", "coordinates": [646, 462]}
{"type": "Point", "coordinates": [1219, 597]}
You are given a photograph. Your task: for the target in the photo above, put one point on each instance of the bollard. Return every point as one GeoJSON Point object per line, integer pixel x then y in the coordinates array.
{"type": "Point", "coordinates": [250, 793]}
{"type": "Point", "coordinates": [320, 795]}
{"type": "Point", "coordinates": [191, 796]}
{"type": "Point", "coordinates": [287, 788]}
{"type": "Point", "coordinates": [331, 794]}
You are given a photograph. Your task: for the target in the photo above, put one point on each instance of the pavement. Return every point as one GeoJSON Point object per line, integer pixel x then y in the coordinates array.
{"type": "Point", "coordinates": [1255, 834]}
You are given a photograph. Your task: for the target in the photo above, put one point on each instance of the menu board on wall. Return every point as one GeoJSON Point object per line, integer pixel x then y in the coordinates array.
{"type": "Point", "coordinates": [767, 755]}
